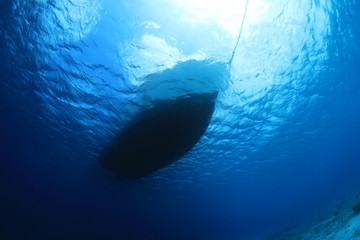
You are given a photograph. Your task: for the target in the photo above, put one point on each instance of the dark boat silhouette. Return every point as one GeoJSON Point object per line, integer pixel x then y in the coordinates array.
{"type": "Point", "coordinates": [160, 135]}
{"type": "Point", "coordinates": [183, 101]}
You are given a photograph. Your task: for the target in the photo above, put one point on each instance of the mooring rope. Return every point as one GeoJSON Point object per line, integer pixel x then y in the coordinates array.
{"type": "Point", "coordinates": [237, 42]}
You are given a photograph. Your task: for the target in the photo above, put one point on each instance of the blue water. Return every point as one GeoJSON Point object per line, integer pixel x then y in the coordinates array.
{"type": "Point", "coordinates": [282, 144]}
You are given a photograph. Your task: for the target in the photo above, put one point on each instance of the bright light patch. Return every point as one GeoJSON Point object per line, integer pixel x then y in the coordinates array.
{"type": "Point", "coordinates": [151, 24]}
{"type": "Point", "coordinates": [226, 14]}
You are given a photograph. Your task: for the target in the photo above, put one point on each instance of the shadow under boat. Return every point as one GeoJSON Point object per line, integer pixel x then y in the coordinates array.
{"type": "Point", "coordinates": [160, 135]}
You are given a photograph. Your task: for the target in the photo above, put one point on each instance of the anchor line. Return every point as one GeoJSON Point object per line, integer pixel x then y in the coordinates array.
{"type": "Point", "coordinates": [238, 39]}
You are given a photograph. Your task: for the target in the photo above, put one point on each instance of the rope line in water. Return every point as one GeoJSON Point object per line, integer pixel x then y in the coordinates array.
{"type": "Point", "coordinates": [237, 42]}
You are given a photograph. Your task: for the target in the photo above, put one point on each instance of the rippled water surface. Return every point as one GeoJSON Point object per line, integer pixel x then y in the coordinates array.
{"type": "Point", "coordinates": [282, 143]}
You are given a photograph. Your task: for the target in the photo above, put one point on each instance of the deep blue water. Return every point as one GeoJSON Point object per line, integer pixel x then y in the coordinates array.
{"type": "Point", "coordinates": [283, 142]}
